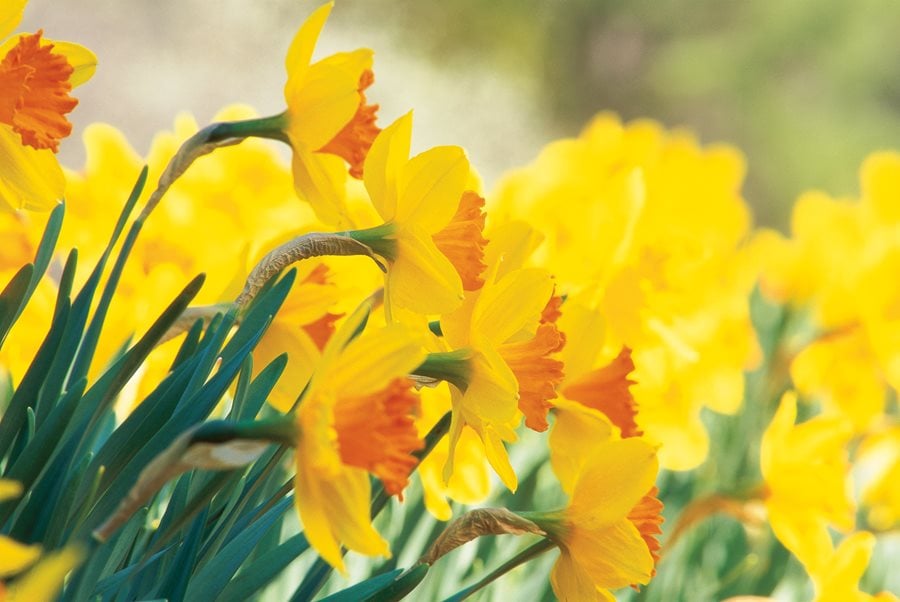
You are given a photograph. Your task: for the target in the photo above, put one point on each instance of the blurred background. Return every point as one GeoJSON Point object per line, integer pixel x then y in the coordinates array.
{"type": "Point", "coordinates": [806, 88]}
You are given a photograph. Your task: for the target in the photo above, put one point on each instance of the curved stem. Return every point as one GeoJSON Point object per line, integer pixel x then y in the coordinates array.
{"type": "Point", "coordinates": [520, 558]}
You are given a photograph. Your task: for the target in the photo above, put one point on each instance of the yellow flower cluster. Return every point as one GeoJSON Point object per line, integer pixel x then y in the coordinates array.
{"type": "Point", "coordinates": [600, 294]}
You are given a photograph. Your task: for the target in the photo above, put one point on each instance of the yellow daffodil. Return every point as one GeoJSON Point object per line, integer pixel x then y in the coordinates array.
{"type": "Point", "coordinates": [431, 235]}
{"type": "Point", "coordinates": [470, 482]}
{"type": "Point", "coordinates": [500, 347]}
{"type": "Point", "coordinates": [355, 419]}
{"type": "Point", "coordinates": [36, 77]}
{"type": "Point", "coordinates": [662, 220]}
{"type": "Point", "coordinates": [327, 120]}
{"type": "Point", "coordinates": [838, 579]}
{"type": "Point", "coordinates": [805, 468]}
{"type": "Point", "coordinates": [607, 533]}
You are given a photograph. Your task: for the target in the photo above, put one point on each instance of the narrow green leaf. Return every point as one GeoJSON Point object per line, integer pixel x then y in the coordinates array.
{"type": "Point", "coordinates": [363, 591]}
{"type": "Point", "coordinates": [262, 571]}
{"type": "Point", "coordinates": [13, 298]}
{"type": "Point", "coordinates": [212, 578]}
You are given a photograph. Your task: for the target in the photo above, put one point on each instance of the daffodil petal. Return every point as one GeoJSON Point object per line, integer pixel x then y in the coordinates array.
{"type": "Point", "coordinates": [576, 427]}
{"type": "Point", "coordinates": [319, 180]}
{"type": "Point", "coordinates": [571, 584]}
{"type": "Point", "coordinates": [302, 356]}
{"type": "Point", "coordinates": [83, 61]}
{"type": "Point", "coordinates": [422, 279]}
{"type": "Point", "coordinates": [44, 581]}
{"type": "Point", "coordinates": [9, 489]}
{"type": "Point", "coordinates": [370, 362]}
{"type": "Point", "coordinates": [312, 505]}
{"type": "Point", "coordinates": [499, 459]}
{"type": "Point", "coordinates": [615, 556]}
{"type": "Point", "coordinates": [15, 557]}
{"type": "Point", "coordinates": [299, 54]}
{"type": "Point", "coordinates": [29, 178]}
{"type": "Point", "coordinates": [389, 152]}
{"type": "Point", "coordinates": [319, 106]}
{"type": "Point", "coordinates": [10, 16]}
{"type": "Point", "coordinates": [430, 187]}
{"type": "Point", "coordinates": [511, 304]}
{"type": "Point", "coordinates": [629, 463]}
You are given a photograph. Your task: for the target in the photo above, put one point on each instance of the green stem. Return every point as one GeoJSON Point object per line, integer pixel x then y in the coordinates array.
{"type": "Point", "coordinates": [452, 366]}
{"type": "Point", "coordinates": [520, 558]}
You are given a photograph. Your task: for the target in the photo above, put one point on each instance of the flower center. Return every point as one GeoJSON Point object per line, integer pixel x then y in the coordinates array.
{"type": "Point", "coordinates": [462, 241]}
{"type": "Point", "coordinates": [538, 374]}
{"type": "Point", "coordinates": [377, 432]}
{"type": "Point", "coordinates": [34, 93]}
{"type": "Point", "coordinates": [353, 142]}
{"type": "Point", "coordinates": [606, 390]}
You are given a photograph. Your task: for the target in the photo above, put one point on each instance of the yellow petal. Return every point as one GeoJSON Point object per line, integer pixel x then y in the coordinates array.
{"type": "Point", "coordinates": [370, 362]}
{"type": "Point", "coordinates": [499, 459]}
{"type": "Point", "coordinates": [777, 432]}
{"type": "Point", "coordinates": [9, 489]}
{"type": "Point", "coordinates": [10, 15]}
{"type": "Point", "coordinates": [43, 582]}
{"type": "Point", "coordinates": [335, 511]}
{"type": "Point", "coordinates": [430, 187]}
{"type": "Point", "coordinates": [422, 279]}
{"type": "Point", "coordinates": [15, 557]}
{"type": "Point", "coordinates": [614, 556]}
{"type": "Point", "coordinates": [613, 480]}
{"type": "Point", "coordinates": [514, 303]}
{"type": "Point", "coordinates": [29, 178]}
{"type": "Point", "coordinates": [572, 584]}
{"type": "Point", "coordinates": [388, 154]}
{"type": "Point", "coordinates": [321, 105]}
{"type": "Point", "coordinates": [301, 49]}
{"type": "Point", "coordinates": [320, 179]}
{"type": "Point", "coordinates": [83, 61]}
{"type": "Point", "coordinates": [302, 357]}
{"type": "Point", "coordinates": [577, 427]}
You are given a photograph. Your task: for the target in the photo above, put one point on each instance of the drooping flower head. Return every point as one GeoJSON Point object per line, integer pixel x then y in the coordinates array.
{"type": "Point", "coordinates": [329, 122]}
{"type": "Point", "coordinates": [607, 533]}
{"type": "Point", "coordinates": [36, 76]}
{"type": "Point", "coordinates": [356, 419]}
{"type": "Point", "coordinates": [431, 235]}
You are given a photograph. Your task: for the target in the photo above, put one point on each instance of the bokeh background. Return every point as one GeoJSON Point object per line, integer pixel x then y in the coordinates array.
{"type": "Point", "coordinates": [806, 88]}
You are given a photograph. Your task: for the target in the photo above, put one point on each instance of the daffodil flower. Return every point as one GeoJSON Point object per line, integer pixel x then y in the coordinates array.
{"type": "Point", "coordinates": [36, 77]}
{"type": "Point", "coordinates": [355, 419]}
{"type": "Point", "coordinates": [606, 534]}
{"type": "Point", "coordinates": [429, 222]}
{"type": "Point", "coordinates": [327, 120]}
{"type": "Point", "coordinates": [498, 352]}
{"type": "Point", "coordinates": [805, 468]}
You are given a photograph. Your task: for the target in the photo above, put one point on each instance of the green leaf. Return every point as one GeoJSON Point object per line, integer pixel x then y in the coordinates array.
{"type": "Point", "coordinates": [262, 571]}
{"type": "Point", "coordinates": [364, 590]}
{"type": "Point", "coordinates": [13, 298]}
{"type": "Point", "coordinates": [18, 299]}
{"type": "Point", "coordinates": [212, 578]}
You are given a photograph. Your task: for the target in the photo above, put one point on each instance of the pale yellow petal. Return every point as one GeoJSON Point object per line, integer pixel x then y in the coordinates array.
{"type": "Point", "coordinates": [319, 179]}
{"type": "Point", "coordinates": [629, 464]}
{"type": "Point", "coordinates": [576, 428]}
{"type": "Point", "coordinates": [370, 362]}
{"type": "Point", "coordinates": [614, 556]}
{"type": "Point", "coordinates": [44, 581]}
{"type": "Point", "coordinates": [431, 186]}
{"type": "Point", "coordinates": [15, 557]}
{"type": "Point", "coordinates": [9, 489]}
{"type": "Point", "coordinates": [572, 584]}
{"type": "Point", "coordinates": [776, 433]}
{"type": "Point", "coordinates": [301, 49]}
{"type": "Point", "coordinates": [321, 105]}
{"type": "Point", "coordinates": [422, 279]}
{"type": "Point", "coordinates": [513, 303]}
{"type": "Point", "coordinates": [10, 16]}
{"type": "Point", "coordinates": [29, 178]}
{"type": "Point", "coordinates": [302, 357]}
{"type": "Point", "coordinates": [388, 154]}
{"type": "Point", "coordinates": [83, 61]}
{"type": "Point", "coordinates": [499, 459]}
{"type": "Point", "coordinates": [314, 508]}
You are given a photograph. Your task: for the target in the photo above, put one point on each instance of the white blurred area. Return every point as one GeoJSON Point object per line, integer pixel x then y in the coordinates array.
{"type": "Point", "coordinates": [163, 57]}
